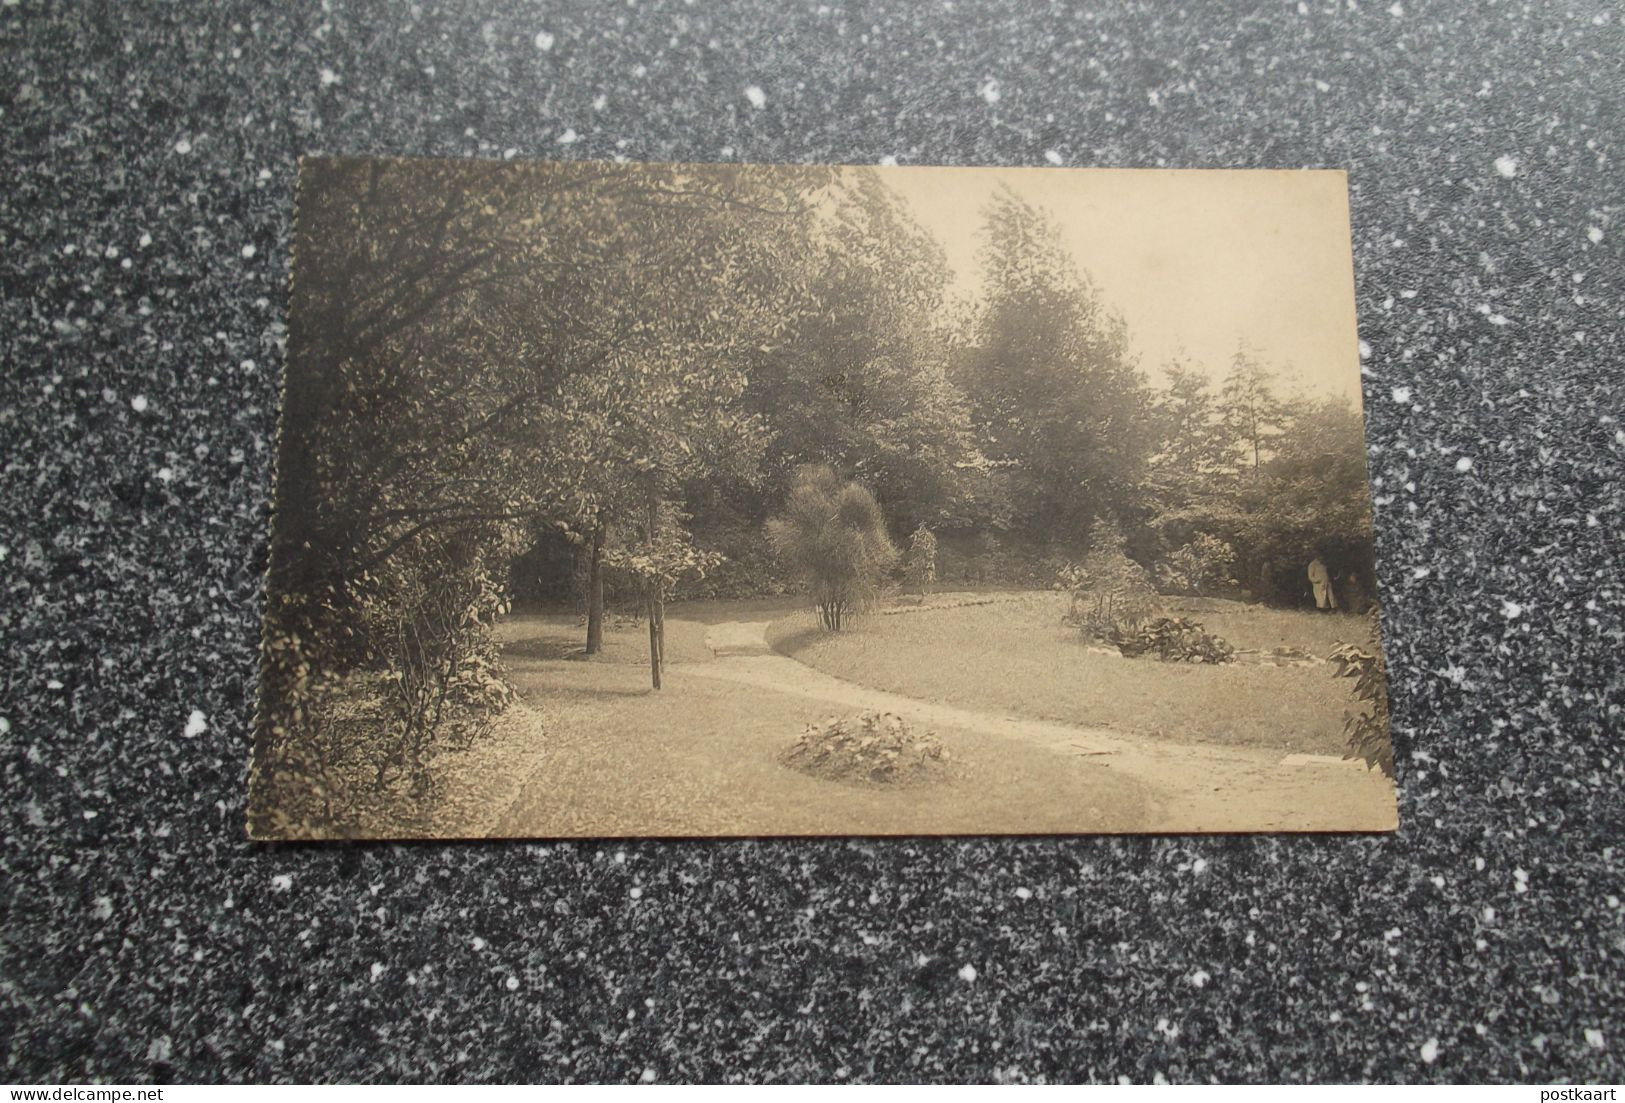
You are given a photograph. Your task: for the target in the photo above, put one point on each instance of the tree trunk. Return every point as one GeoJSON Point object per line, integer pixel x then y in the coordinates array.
{"type": "Point", "coordinates": [654, 642]}
{"type": "Point", "coordinates": [595, 593]}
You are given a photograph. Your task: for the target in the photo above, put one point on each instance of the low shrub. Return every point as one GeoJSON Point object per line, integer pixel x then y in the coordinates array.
{"type": "Point", "coordinates": [1111, 594]}
{"type": "Point", "coordinates": [876, 748]}
{"type": "Point", "coordinates": [1174, 640]}
{"type": "Point", "coordinates": [1366, 725]}
{"type": "Point", "coordinates": [920, 563]}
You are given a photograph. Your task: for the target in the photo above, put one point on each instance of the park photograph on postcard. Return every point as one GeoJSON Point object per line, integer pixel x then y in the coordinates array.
{"type": "Point", "coordinates": [747, 500]}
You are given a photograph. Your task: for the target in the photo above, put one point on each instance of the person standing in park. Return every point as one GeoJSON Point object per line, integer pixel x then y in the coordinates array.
{"type": "Point", "coordinates": [1321, 579]}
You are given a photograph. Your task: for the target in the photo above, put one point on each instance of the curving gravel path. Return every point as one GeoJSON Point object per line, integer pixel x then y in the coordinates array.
{"type": "Point", "coordinates": [1190, 787]}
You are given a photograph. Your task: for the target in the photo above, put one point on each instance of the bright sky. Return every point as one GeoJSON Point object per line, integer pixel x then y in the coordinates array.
{"type": "Point", "coordinates": [1195, 261]}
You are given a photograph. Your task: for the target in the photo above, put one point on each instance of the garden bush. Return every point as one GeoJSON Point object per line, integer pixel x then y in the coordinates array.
{"type": "Point", "coordinates": [1366, 725]}
{"type": "Point", "coordinates": [1173, 640]}
{"type": "Point", "coordinates": [833, 535]}
{"type": "Point", "coordinates": [920, 565]}
{"type": "Point", "coordinates": [877, 748]}
{"type": "Point", "coordinates": [1111, 594]}
{"type": "Point", "coordinates": [1201, 567]}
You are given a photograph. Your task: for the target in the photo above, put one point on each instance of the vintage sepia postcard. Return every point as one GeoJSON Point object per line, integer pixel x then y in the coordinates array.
{"type": "Point", "coordinates": [699, 500]}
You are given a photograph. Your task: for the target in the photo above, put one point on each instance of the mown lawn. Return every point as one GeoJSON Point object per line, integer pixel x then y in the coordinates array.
{"type": "Point", "coordinates": [702, 757]}
{"type": "Point", "coordinates": [1015, 655]}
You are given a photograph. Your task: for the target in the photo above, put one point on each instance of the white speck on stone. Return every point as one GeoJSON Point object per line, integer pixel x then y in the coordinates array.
{"type": "Point", "coordinates": [1199, 866]}
{"type": "Point", "coordinates": [139, 403]}
{"type": "Point", "coordinates": [637, 893]}
{"type": "Point", "coordinates": [377, 971]}
{"type": "Point", "coordinates": [145, 240]}
{"type": "Point", "coordinates": [1365, 351]}
{"type": "Point", "coordinates": [889, 161]}
{"type": "Point", "coordinates": [757, 97]}
{"type": "Point", "coordinates": [53, 683]}
{"type": "Point", "coordinates": [1506, 166]}
{"type": "Point", "coordinates": [1595, 234]}
{"type": "Point", "coordinates": [1200, 978]}
{"type": "Point", "coordinates": [184, 146]}
{"type": "Point", "coordinates": [1511, 610]}
{"type": "Point", "coordinates": [1497, 319]}
{"type": "Point", "coordinates": [103, 908]}
{"type": "Point", "coordinates": [569, 137]}
{"type": "Point", "coordinates": [967, 973]}
{"type": "Point", "coordinates": [1489, 915]}
{"type": "Point", "coordinates": [989, 90]}
{"type": "Point", "coordinates": [282, 882]}
{"type": "Point", "coordinates": [512, 983]}
{"type": "Point", "coordinates": [248, 252]}
{"type": "Point", "coordinates": [1464, 464]}
{"type": "Point", "coordinates": [1520, 881]}
{"type": "Point", "coordinates": [1594, 1038]}
{"type": "Point", "coordinates": [1322, 86]}
{"type": "Point", "coordinates": [1053, 156]}
{"type": "Point", "coordinates": [160, 1049]}
{"type": "Point", "coordinates": [330, 78]}
{"type": "Point", "coordinates": [1396, 9]}
{"type": "Point", "coordinates": [1402, 395]}
{"type": "Point", "coordinates": [5, 725]}
{"type": "Point", "coordinates": [1430, 1050]}
{"type": "Point", "coordinates": [478, 943]}
{"type": "Point", "coordinates": [196, 725]}
{"type": "Point", "coordinates": [1024, 893]}
{"type": "Point", "coordinates": [544, 41]}
{"type": "Point", "coordinates": [648, 1077]}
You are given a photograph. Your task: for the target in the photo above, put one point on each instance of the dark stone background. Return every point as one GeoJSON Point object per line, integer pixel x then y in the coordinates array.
{"type": "Point", "coordinates": [145, 146]}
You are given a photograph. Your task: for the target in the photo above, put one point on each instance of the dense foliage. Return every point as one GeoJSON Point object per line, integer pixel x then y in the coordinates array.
{"type": "Point", "coordinates": [920, 562]}
{"type": "Point", "coordinates": [1367, 725]}
{"type": "Point", "coordinates": [1173, 640]}
{"type": "Point", "coordinates": [833, 537]}
{"type": "Point", "coordinates": [630, 384]}
{"type": "Point", "coordinates": [877, 748]}
{"type": "Point", "coordinates": [1111, 595]}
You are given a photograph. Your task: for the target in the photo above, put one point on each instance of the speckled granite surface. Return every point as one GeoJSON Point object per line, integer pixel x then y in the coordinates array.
{"type": "Point", "coordinates": [148, 163]}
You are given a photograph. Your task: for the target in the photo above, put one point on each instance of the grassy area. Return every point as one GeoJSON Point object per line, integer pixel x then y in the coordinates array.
{"type": "Point", "coordinates": [703, 756]}
{"type": "Point", "coordinates": [1015, 655]}
{"type": "Point", "coordinates": [552, 635]}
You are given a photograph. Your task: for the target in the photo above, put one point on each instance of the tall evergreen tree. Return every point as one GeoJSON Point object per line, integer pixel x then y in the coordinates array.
{"type": "Point", "coordinates": [1250, 410]}
{"type": "Point", "coordinates": [1054, 389]}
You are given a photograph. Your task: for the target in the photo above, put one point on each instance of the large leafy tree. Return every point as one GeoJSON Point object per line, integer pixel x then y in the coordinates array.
{"type": "Point", "coordinates": [1308, 497]}
{"type": "Point", "coordinates": [480, 346]}
{"type": "Point", "coordinates": [1053, 387]}
{"type": "Point", "coordinates": [857, 379]}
